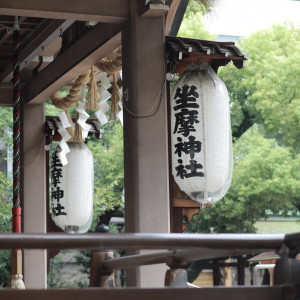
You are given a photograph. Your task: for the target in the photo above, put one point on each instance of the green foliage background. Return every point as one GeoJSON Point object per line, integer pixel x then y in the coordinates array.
{"type": "Point", "coordinates": [265, 116]}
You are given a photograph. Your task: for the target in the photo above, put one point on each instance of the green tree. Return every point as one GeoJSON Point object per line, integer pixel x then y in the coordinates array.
{"type": "Point", "coordinates": [265, 181]}
{"type": "Point", "coordinates": [265, 114]}
{"type": "Point", "coordinates": [109, 170]}
{"type": "Point", "coordinates": [192, 25]}
{"type": "Point", "coordinates": [5, 192]}
{"type": "Point", "coordinates": [266, 91]}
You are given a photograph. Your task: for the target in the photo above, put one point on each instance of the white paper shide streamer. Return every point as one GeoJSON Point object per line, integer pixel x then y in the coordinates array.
{"type": "Point", "coordinates": [72, 188]}
{"type": "Point", "coordinates": [104, 95]}
{"type": "Point", "coordinates": [201, 134]}
{"type": "Point", "coordinates": [65, 136]}
{"type": "Point", "coordinates": [83, 115]}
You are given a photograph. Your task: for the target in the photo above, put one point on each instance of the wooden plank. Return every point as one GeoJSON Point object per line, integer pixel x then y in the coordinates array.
{"type": "Point", "coordinates": [143, 241]}
{"type": "Point", "coordinates": [6, 36]}
{"type": "Point", "coordinates": [108, 11]}
{"type": "Point", "coordinates": [42, 38]}
{"type": "Point", "coordinates": [287, 292]}
{"type": "Point", "coordinates": [85, 52]}
{"type": "Point", "coordinates": [185, 203]}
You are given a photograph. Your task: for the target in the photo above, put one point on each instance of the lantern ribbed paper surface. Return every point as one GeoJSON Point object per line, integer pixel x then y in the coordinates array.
{"type": "Point", "coordinates": [72, 189]}
{"type": "Point", "coordinates": [201, 134]}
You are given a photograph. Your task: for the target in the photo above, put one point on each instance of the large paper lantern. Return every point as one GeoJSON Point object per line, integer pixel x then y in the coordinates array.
{"type": "Point", "coordinates": [201, 134]}
{"type": "Point", "coordinates": [72, 189]}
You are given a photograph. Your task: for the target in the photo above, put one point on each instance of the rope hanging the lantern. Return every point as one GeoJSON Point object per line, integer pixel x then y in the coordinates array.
{"type": "Point", "coordinates": [94, 100]}
{"type": "Point", "coordinates": [16, 258]}
{"type": "Point", "coordinates": [92, 95]}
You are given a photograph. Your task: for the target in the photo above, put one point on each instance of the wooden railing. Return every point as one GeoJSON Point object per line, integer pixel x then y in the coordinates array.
{"type": "Point", "coordinates": [176, 251]}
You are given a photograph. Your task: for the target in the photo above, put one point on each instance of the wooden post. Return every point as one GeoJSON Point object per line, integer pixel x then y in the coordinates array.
{"type": "Point", "coordinates": [176, 276]}
{"type": "Point", "coordinates": [101, 277]}
{"type": "Point", "coordinates": [145, 134]}
{"type": "Point", "coordinates": [34, 189]}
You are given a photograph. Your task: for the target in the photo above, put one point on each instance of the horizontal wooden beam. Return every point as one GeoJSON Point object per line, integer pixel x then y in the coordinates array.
{"type": "Point", "coordinates": [77, 59]}
{"type": "Point", "coordinates": [286, 292]}
{"type": "Point", "coordinates": [37, 43]}
{"type": "Point", "coordinates": [145, 241]}
{"type": "Point", "coordinates": [131, 261]}
{"type": "Point", "coordinates": [108, 11]}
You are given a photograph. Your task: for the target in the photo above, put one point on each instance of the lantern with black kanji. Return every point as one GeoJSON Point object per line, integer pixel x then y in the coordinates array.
{"type": "Point", "coordinates": [201, 134]}
{"type": "Point", "coordinates": [72, 189]}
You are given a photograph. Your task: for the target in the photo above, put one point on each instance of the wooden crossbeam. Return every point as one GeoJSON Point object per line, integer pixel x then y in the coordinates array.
{"type": "Point", "coordinates": [78, 58]}
{"type": "Point", "coordinates": [286, 292]}
{"type": "Point", "coordinates": [108, 11]}
{"type": "Point", "coordinates": [148, 241]}
{"type": "Point", "coordinates": [41, 39]}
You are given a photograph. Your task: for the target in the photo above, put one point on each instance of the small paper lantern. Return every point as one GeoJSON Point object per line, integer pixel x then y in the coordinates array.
{"type": "Point", "coordinates": [72, 189]}
{"type": "Point", "coordinates": [201, 134]}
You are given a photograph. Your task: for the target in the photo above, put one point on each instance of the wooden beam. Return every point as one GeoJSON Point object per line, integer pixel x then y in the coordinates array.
{"type": "Point", "coordinates": [286, 292]}
{"type": "Point", "coordinates": [6, 36]}
{"type": "Point", "coordinates": [171, 15]}
{"type": "Point", "coordinates": [108, 11]}
{"type": "Point", "coordinates": [147, 241]}
{"type": "Point", "coordinates": [6, 94]}
{"type": "Point", "coordinates": [74, 61]}
{"type": "Point", "coordinates": [40, 40]}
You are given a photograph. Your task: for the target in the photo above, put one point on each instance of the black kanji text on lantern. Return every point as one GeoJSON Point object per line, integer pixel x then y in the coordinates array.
{"type": "Point", "coordinates": [56, 192]}
{"type": "Point", "coordinates": [186, 117]}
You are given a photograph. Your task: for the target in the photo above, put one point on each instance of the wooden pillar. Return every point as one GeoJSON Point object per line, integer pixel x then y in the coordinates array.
{"type": "Point", "coordinates": [145, 138]}
{"type": "Point", "coordinates": [99, 276]}
{"type": "Point", "coordinates": [34, 191]}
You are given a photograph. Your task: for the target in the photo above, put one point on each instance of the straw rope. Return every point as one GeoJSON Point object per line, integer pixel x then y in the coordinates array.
{"type": "Point", "coordinates": [72, 98]}
{"type": "Point", "coordinates": [110, 66]}
{"type": "Point", "coordinates": [115, 98]}
{"type": "Point", "coordinates": [92, 95]}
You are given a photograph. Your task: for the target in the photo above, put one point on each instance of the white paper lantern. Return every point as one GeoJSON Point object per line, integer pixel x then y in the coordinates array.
{"type": "Point", "coordinates": [72, 189]}
{"type": "Point", "coordinates": [201, 134]}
